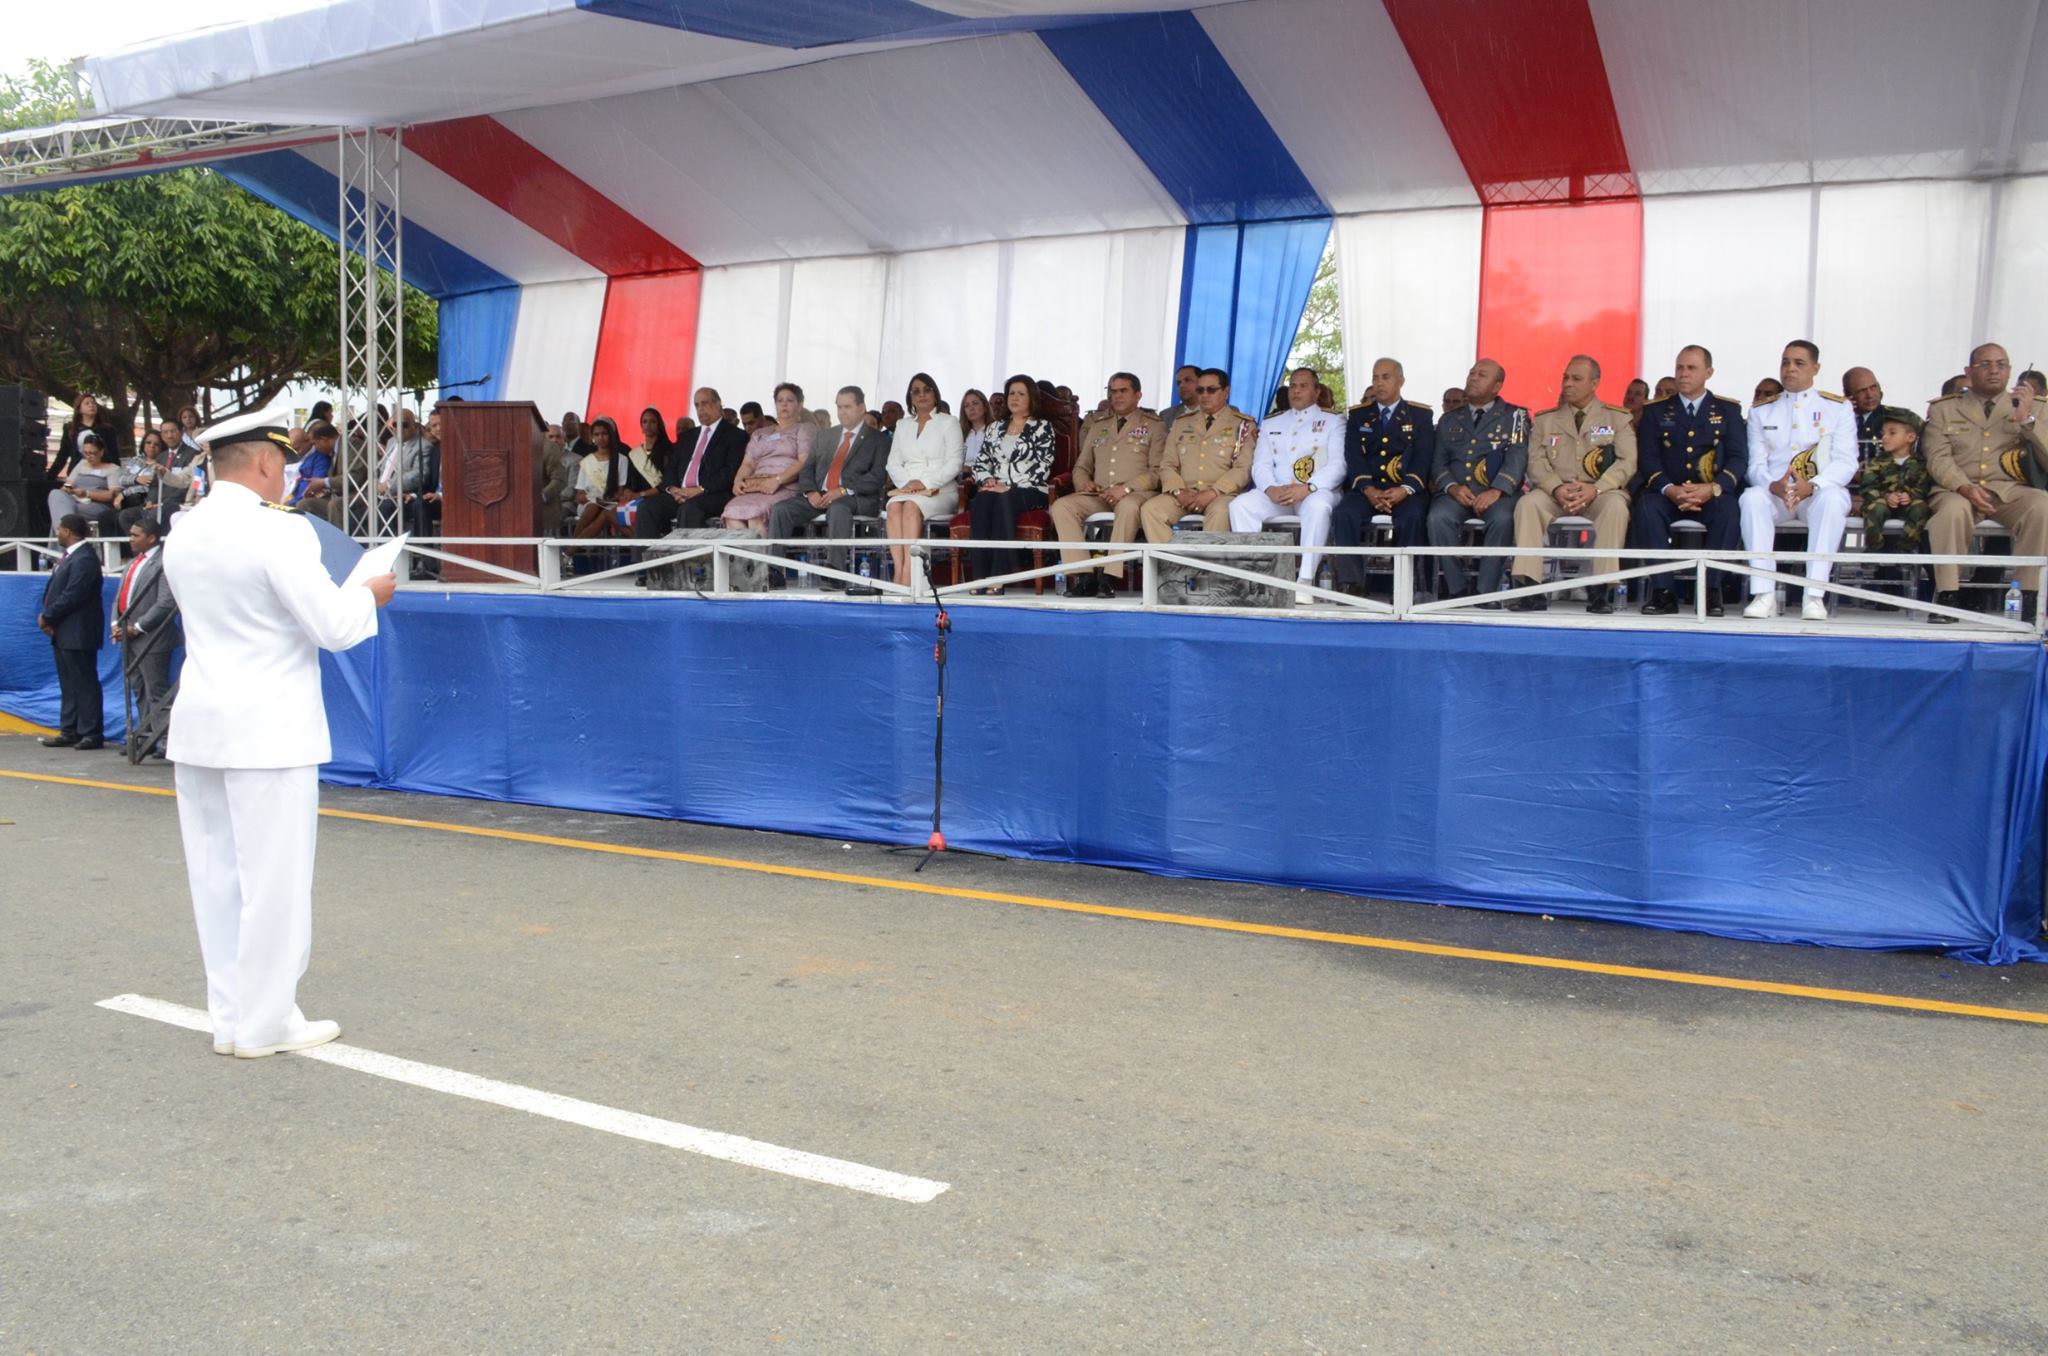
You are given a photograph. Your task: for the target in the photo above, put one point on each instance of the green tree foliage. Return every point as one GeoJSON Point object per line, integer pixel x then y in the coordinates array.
{"type": "Point", "coordinates": [165, 285]}
{"type": "Point", "coordinates": [1319, 343]}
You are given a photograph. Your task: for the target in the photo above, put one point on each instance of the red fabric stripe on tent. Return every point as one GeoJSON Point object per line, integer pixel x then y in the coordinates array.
{"type": "Point", "coordinates": [1522, 91]}
{"type": "Point", "coordinates": [1556, 280]}
{"type": "Point", "coordinates": [646, 347]}
{"type": "Point", "coordinates": [492, 161]}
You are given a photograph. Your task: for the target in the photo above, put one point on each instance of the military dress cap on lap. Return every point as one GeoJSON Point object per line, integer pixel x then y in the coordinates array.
{"type": "Point", "coordinates": [1973, 439]}
{"type": "Point", "coordinates": [1482, 448]}
{"type": "Point", "coordinates": [1390, 451]}
{"type": "Point", "coordinates": [1708, 446]}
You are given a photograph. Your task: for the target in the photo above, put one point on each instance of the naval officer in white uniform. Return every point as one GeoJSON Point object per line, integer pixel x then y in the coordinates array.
{"type": "Point", "coordinates": [250, 734]}
{"type": "Point", "coordinates": [1297, 469]}
{"type": "Point", "coordinates": [1802, 457]}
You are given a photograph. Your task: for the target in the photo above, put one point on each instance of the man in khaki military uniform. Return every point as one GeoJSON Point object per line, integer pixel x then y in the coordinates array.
{"type": "Point", "coordinates": [1581, 457]}
{"type": "Point", "coordinates": [1116, 471]}
{"type": "Point", "coordinates": [1207, 462]}
{"type": "Point", "coordinates": [1977, 443]}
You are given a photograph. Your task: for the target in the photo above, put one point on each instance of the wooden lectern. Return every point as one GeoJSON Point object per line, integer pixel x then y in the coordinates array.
{"type": "Point", "coordinates": [492, 453]}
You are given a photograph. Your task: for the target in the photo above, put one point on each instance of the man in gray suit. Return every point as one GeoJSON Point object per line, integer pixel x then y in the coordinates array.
{"type": "Point", "coordinates": [144, 613]}
{"type": "Point", "coordinates": [843, 478]}
{"type": "Point", "coordinates": [1482, 452]}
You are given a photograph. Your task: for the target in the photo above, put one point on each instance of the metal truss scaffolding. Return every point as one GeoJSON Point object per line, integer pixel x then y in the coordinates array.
{"type": "Point", "coordinates": [372, 312]}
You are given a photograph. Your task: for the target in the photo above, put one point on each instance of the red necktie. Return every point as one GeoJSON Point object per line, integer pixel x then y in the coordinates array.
{"type": "Point", "coordinates": [838, 462]}
{"type": "Point", "coordinates": [121, 599]}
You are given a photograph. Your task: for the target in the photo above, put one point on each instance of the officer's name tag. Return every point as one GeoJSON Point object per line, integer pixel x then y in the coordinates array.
{"type": "Point", "coordinates": [1604, 431]}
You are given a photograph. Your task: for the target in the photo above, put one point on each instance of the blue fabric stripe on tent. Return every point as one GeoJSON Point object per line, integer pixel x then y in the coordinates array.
{"type": "Point", "coordinates": [1162, 83]}
{"type": "Point", "coordinates": [290, 182]}
{"type": "Point", "coordinates": [820, 23]}
{"type": "Point", "coordinates": [1243, 289]}
{"type": "Point", "coordinates": [476, 341]}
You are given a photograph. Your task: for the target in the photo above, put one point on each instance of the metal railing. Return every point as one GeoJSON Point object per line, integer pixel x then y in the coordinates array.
{"type": "Point", "coordinates": [616, 565]}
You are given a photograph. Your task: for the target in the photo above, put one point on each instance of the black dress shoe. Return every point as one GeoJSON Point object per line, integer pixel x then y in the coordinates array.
{"type": "Point", "coordinates": [1352, 590]}
{"type": "Point", "coordinates": [1661, 605]}
{"type": "Point", "coordinates": [1489, 607]}
{"type": "Point", "coordinates": [1081, 586]}
{"type": "Point", "coordinates": [1600, 604]}
{"type": "Point", "coordinates": [1535, 602]}
{"type": "Point", "coordinates": [1105, 587]}
{"type": "Point", "coordinates": [88, 745]}
{"type": "Point", "coordinates": [1948, 598]}
{"type": "Point", "coordinates": [57, 741]}
{"type": "Point", "coordinates": [1714, 608]}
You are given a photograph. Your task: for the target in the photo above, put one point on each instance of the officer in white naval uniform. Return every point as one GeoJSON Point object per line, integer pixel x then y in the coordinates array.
{"type": "Point", "coordinates": [1802, 456]}
{"type": "Point", "coordinates": [1297, 468]}
{"type": "Point", "coordinates": [251, 733]}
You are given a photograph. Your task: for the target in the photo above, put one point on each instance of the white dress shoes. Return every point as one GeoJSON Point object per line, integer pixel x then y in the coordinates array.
{"type": "Point", "coordinates": [1762, 607]}
{"type": "Point", "coordinates": [1814, 608]}
{"type": "Point", "coordinates": [301, 1035]}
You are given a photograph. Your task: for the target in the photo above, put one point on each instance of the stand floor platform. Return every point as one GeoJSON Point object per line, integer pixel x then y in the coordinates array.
{"type": "Point", "coordinates": [1848, 792]}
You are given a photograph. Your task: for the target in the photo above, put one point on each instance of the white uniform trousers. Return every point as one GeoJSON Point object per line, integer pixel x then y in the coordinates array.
{"type": "Point", "coordinates": [249, 854]}
{"type": "Point", "coordinates": [1824, 514]}
{"type": "Point", "coordinates": [1252, 508]}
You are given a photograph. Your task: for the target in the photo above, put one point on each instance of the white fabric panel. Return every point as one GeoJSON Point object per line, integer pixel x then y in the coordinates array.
{"type": "Point", "coordinates": [2017, 314]}
{"type": "Point", "coordinates": [835, 326]}
{"type": "Point", "coordinates": [471, 224]}
{"type": "Point", "coordinates": [554, 345]}
{"type": "Point", "coordinates": [1082, 307]}
{"type": "Point", "coordinates": [939, 316]}
{"type": "Point", "coordinates": [1732, 272]}
{"type": "Point", "coordinates": [1896, 279]}
{"type": "Point", "coordinates": [1353, 112]}
{"type": "Point", "coordinates": [1409, 289]}
{"type": "Point", "coordinates": [1751, 93]}
{"type": "Point", "coordinates": [739, 339]}
{"type": "Point", "coordinates": [881, 139]}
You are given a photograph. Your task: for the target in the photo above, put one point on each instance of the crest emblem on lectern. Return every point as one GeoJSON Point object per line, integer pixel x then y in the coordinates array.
{"type": "Point", "coordinates": [486, 476]}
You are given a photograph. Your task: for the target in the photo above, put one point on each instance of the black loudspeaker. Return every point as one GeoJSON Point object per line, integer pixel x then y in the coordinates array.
{"type": "Point", "coordinates": [24, 439]}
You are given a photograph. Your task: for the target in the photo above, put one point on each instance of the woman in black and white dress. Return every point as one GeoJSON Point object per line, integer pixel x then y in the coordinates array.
{"type": "Point", "coordinates": [1012, 473]}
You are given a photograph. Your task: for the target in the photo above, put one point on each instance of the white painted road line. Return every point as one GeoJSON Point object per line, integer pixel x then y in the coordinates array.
{"type": "Point", "coordinates": [631, 1124]}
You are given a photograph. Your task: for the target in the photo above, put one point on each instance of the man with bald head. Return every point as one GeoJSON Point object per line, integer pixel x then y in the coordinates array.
{"type": "Point", "coordinates": [1582, 456]}
{"type": "Point", "coordinates": [696, 484]}
{"type": "Point", "coordinates": [1978, 443]}
{"type": "Point", "coordinates": [1481, 454]}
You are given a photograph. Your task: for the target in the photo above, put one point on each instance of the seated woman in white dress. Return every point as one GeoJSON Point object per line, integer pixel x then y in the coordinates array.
{"type": "Point", "coordinates": [924, 466]}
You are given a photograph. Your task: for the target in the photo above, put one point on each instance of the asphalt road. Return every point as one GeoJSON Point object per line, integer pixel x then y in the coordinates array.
{"type": "Point", "coordinates": [1157, 1138]}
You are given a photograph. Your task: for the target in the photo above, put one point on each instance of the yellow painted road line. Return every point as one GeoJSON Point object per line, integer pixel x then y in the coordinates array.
{"type": "Point", "coordinates": [1857, 997]}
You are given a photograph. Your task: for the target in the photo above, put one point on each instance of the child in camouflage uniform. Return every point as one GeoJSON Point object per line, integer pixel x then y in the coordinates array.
{"type": "Point", "coordinates": [1896, 484]}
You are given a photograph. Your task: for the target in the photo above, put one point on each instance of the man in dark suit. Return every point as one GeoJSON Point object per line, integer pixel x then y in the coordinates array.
{"type": "Point", "coordinates": [1389, 451]}
{"type": "Point", "coordinates": [1693, 452]}
{"type": "Point", "coordinates": [696, 484]}
{"type": "Point", "coordinates": [144, 612]}
{"type": "Point", "coordinates": [843, 478]}
{"type": "Point", "coordinates": [75, 619]}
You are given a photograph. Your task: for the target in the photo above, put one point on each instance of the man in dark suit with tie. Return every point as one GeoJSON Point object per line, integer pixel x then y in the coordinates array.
{"type": "Point", "coordinates": [696, 484]}
{"type": "Point", "coordinates": [74, 617]}
{"type": "Point", "coordinates": [843, 478]}
{"type": "Point", "coordinates": [1867, 398]}
{"type": "Point", "coordinates": [144, 611]}
{"type": "Point", "coordinates": [1389, 449]}
{"type": "Point", "coordinates": [1693, 450]}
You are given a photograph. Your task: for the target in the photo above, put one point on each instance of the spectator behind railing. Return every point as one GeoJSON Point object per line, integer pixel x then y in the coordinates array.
{"type": "Point", "coordinates": [775, 457]}
{"type": "Point", "coordinates": [92, 489]}
{"type": "Point", "coordinates": [311, 491]}
{"type": "Point", "coordinates": [1013, 471]}
{"type": "Point", "coordinates": [925, 458]}
{"type": "Point", "coordinates": [88, 417]}
{"type": "Point", "coordinates": [608, 477]}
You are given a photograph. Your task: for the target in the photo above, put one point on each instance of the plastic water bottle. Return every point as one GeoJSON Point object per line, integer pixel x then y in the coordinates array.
{"type": "Point", "coordinates": [2012, 601]}
{"type": "Point", "coordinates": [867, 569]}
{"type": "Point", "coordinates": [1059, 583]}
{"type": "Point", "coordinates": [1326, 578]}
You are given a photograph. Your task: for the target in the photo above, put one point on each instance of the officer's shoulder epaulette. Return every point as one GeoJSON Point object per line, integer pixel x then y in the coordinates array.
{"type": "Point", "coordinates": [1658, 400]}
{"type": "Point", "coordinates": [1359, 406]}
{"type": "Point", "coordinates": [1953, 395]}
{"type": "Point", "coordinates": [1830, 395]}
{"type": "Point", "coordinates": [1421, 405]}
{"type": "Point", "coordinates": [1767, 400]}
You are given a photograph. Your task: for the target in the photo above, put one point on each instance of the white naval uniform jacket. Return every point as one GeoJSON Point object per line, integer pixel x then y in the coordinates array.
{"type": "Point", "coordinates": [258, 608]}
{"type": "Point", "coordinates": [1784, 427]}
{"type": "Point", "coordinates": [1300, 447]}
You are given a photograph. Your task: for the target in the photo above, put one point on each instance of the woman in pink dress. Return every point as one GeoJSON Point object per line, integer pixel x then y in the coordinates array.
{"type": "Point", "coordinates": [775, 456]}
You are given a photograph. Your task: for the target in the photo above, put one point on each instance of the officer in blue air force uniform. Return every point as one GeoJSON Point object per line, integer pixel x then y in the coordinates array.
{"type": "Point", "coordinates": [1482, 452]}
{"type": "Point", "coordinates": [1694, 452]}
{"type": "Point", "coordinates": [1389, 445]}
